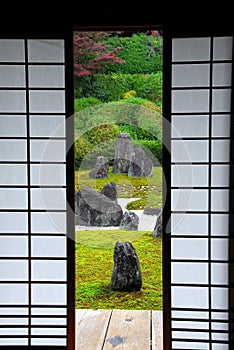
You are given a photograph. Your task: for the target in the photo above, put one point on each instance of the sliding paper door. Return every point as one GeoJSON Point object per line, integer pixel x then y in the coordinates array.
{"type": "Point", "coordinates": [201, 89]}
{"type": "Point", "coordinates": [34, 246]}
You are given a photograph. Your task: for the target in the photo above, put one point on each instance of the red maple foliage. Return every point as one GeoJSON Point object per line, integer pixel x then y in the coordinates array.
{"type": "Point", "coordinates": [92, 53]}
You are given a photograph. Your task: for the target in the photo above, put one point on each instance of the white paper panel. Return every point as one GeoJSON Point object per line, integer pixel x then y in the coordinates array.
{"type": "Point", "coordinates": [19, 321]}
{"type": "Point", "coordinates": [219, 298]}
{"type": "Point", "coordinates": [219, 273]}
{"type": "Point", "coordinates": [190, 297]}
{"type": "Point", "coordinates": [47, 126]}
{"type": "Point", "coordinates": [13, 150]}
{"type": "Point", "coordinates": [13, 198]}
{"type": "Point", "coordinates": [12, 76]}
{"type": "Point", "coordinates": [49, 341]}
{"type": "Point", "coordinates": [13, 331]}
{"type": "Point", "coordinates": [190, 49]}
{"type": "Point", "coordinates": [49, 270]}
{"type": "Point", "coordinates": [189, 176]}
{"type": "Point", "coordinates": [47, 76]}
{"type": "Point", "coordinates": [12, 125]}
{"type": "Point", "coordinates": [190, 314]}
{"type": "Point", "coordinates": [221, 100]}
{"type": "Point", "coordinates": [190, 335]}
{"type": "Point", "coordinates": [46, 50]}
{"type": "Point", "coordinates": [49, 311]}
{"type": "Point", "coordinates": [48, 222]}
{"type": "Point", "coordinates": [189, 151]}
{"type": "Point", "coordinates": [13, 174]}
{"type": "Point", "coordinates": [13, 341]}
{"type": "Point", "coordinates": [196, 126]}
{"type": "Point", "coordinates": [190, 101]}
{"type": "Point", "coordinates": [189, 200]}
{"type": "Point", "coordinates": [221, 125]}
{"type": "Point", "coordinates": [48, 321]}
{"type": "Point", "coordinates": [219, 248]}
{"type": "Point", "coordinates": [48, 199]}
{"type": "Point", "coordinates": [190, 345]}
{"type": "Point", "coordinates": [13, 223]}
{"type": "Point", "coordinates": [189, 273]}
{"type": "Point", "coordinates": [218, 346]}
{"type": "Point", "coordinates": [222, 48]}
{"type": "Point", "coordinates": [6, 98]}
{"type": "Point", "coordinates": [48, 150]}
{"type": "Point", "coordinates": [12, 50]}
{"type": "Point", "coordinates": [219, 315]}
{"type": "Point", "coordinates": [13, 246]}
{"type": "Point", "coordinates": [190, 324]}
{"type": "Point", "coordinates": [47, 101]}
{"type": "Point", "coordinates": [222, 74]}
{"type": "Point", "coordinates": [49, 294]}
{"type": "Point", "coordinates": [220, 175]}
{"type": "Point", "coordinates": [49, 247]}
{"type": "Point", "coordinates": [14, 311]}
{"type": "Point", "coordinates": [13, 270]}
{"type": "Point", "coordinates": [189, 224]}
{"type": "Point", "coordinates": [49, 331]}
{"type": "Point", "coordinates": [12, 294]}
{"type": "Point", "coordinates": [220, 151]}
{"type": "Point", "coordinates": [219, 224]}
{"type": "Point", "coordinates": [220, 200]}
{"type": "Point", "coordinates": [184, 75]}
{"type": "Point", "coordinates": [219, 326]}
{"type": "Point", "coordinates": [189, 248]}
{"type": "Point", "coordinates": [220, 336]}
{"type": "Point", "coordinates": [48, 174]}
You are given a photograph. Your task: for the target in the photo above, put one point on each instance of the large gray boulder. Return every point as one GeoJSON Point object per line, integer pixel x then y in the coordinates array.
{"type": "Point", "coordinates": [95, 209]}
{"type": "Point", "coordinates": [123, 152]}
{"type": "Point", "coordinates": [130, 221]}
{"type": "Point", "coordinates": [126, 274]}
{"type": "Point", "coordinates": [140, 164]}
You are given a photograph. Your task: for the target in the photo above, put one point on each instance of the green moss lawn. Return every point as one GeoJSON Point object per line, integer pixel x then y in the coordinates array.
{"type": "Point", "coordinates": [94, 265]}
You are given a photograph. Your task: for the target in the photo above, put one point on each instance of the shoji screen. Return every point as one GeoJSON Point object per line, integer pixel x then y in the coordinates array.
{"type": "Point", "coordinates": [34, 250]}
{"type": "Point", "coordinates": [200, 156]}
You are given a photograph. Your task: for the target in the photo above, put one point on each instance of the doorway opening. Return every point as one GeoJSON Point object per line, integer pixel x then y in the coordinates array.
{"type": "Point", "coordinates": [118, 170]}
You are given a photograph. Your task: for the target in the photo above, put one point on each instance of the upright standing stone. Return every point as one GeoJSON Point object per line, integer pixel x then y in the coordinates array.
{"type": "Point", "coordinates": [157, 232]}
{"type": "Point", "coordinates": [101, 168]}
{"type": "Point", "coordinates": [126, 275]}
{"type": "Point", "coordinates": [123, 152]}
{"type": "Point", "coordinates": [140, 164]}
{"type": "Point", "coordinates": [110, 190]}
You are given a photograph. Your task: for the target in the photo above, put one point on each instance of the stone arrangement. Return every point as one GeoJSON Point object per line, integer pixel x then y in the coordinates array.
{"type": "Point", "coordinates": [127, 160]}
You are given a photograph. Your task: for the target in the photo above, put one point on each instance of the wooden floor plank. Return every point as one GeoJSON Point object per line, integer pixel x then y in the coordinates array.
{"type": "Point", "coordinates": [128, 330]}
{"type": "Point", "coordinates": [91, 328]}
{"type": "Point", "coordinates": [157, 330]}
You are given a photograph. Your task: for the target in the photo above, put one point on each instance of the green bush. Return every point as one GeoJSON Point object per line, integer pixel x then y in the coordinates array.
{"type": "Point", "coordinates": [97, 141]}
{"type": "Point", "coordinates": [114, 87]}
{"type": "Point", "coordinates": [81, 103]}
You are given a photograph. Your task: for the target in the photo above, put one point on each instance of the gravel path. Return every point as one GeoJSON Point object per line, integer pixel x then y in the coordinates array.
{"type": "Point", "coordinates": [146, 222]}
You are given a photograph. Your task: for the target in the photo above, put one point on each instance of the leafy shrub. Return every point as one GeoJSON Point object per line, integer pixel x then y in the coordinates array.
{"type": "Point", "coordinates": [81, 103]}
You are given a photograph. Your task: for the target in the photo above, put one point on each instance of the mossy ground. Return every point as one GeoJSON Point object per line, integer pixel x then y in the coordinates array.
{"type": "Point", "coordinates": [94, 265]}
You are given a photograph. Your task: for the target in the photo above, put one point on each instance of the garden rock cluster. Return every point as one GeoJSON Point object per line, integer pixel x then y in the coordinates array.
{"type": "Point", "coordinates": [93, 208]}
{"type": "Point", "coordinates": [127, 160]}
